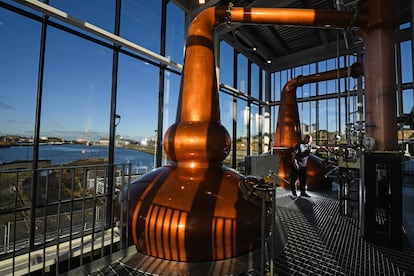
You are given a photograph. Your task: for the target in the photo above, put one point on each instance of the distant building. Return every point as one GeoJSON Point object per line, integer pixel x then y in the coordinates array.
{"type": "Point", "coordinates": [118, 142]}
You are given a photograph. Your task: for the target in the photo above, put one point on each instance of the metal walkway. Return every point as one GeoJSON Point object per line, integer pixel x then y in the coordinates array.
{"type": "Point", "coordinates": [320, 242]}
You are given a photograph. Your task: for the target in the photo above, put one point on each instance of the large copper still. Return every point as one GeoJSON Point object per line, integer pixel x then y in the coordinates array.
{"type": "Point", "coordinates": [193, 209]}
{"type": "Point", "coordinates": [288, 131]}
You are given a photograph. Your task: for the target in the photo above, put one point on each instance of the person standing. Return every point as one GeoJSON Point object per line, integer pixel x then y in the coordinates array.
{"type": "Point", "coordinates": [300, 156]}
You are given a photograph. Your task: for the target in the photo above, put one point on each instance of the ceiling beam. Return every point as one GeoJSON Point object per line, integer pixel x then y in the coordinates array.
{"type": "Point", "coordinates": [319, 32]}
{"type": "Point", "coordinates": [310, 55]}
{"type": "Point", "coordinates": [279, 38]}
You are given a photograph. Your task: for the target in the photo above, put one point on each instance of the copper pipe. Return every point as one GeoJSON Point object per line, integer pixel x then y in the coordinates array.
{"type": "Point", "coordinates": [298, 17]}
{"type": "Point", "coordinates": [288, 132]}
{"type": "Point", "coordinates": [379, 63]}
{"type": "Point", "coordinates": [185, 142]}
{"type": "Point", "coordinates": [194, 209]}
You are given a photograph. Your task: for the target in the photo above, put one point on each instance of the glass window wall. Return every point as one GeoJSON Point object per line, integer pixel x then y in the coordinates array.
{"type": "Point", "coordinates": [18, 83]}
{"type": "Point", "coordinates": [137, 105]}
{"type": "Point", "coordinates": [175, 33]}
{"type": "Point", "coordinates": [141, 23]}
{"type": "Point", "coordinates": [76, 99]}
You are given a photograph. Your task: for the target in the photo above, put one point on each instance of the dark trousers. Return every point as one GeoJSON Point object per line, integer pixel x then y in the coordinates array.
{"type": "Point", "coordinates": [295, 174]}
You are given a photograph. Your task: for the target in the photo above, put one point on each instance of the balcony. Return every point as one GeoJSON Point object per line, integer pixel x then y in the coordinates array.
{"type": "Point", "coordinates": [70, 223]}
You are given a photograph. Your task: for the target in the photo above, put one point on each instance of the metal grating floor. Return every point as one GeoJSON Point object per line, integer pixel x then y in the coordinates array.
{"type": "Point", "coordinates": [320, 242]}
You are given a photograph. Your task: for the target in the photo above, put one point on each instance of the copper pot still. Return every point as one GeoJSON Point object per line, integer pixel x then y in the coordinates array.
{"type": "Point", "coordinates": [288, 131]}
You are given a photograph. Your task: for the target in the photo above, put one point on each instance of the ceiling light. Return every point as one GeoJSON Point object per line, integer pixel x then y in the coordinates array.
{"type": "Point", "coordinates": [269, 61]}
{"type": "Point", "coordinates": [201, 1]}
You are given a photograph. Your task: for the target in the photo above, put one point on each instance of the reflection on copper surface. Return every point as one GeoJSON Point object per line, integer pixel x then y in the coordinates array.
{"type": "Point", "coordinates": [379, 68]}
{"type": "Point", "coordinates": [288, 132]}
{"type": "Point", "coordinates": [194, 210]}
{"type": "Point", "coordinates": [188, 209]}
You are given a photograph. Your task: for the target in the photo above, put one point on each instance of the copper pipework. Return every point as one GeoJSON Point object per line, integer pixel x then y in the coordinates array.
{"type": "Point", "coordinates": [298, 17]}
{"type": "Point", "coordinates": [379, 63]}
{"type": "Point", "coordinates": [199, 113]}
{"type": "Point", "coordinates": [288, 132]}
{"type": "Point", "coordinates": [194, 210]}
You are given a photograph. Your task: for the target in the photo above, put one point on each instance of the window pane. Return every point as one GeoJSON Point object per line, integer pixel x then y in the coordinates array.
{"type": "Point", "coordinates": [100, 13]}
{"type": "Point", "coordinates": [408, 98]}
{"type": "Point", "coordinates": [18, 78]}
{"type": "Point", "coordinates": [23, 7]}
{"type": "Point", "coordinates": [243, 114]}
{"type": "Point", "coordinates": [242, 73]}
{"type": "Point", "coordinates": [277, 86]}
{"type": "Point", "coordinates": [405, 26]}
{"type": "Point", "coordinates": [171, 95]}
{"type": "Point", "coordinates": [263, 81]}
{"type": "Point", "coordinates": [331, 86]}
{"type": "Point", "coordinates": [141, 23]}
{"type": "Point", "coordinates": [275, 114]}
{"type": "Point", "coordinates": [255, 81]}
{"type": "Point", "coordinates": [406, 62]}
{"type": "Point", "coordinates": [332, 118]}
{"type": "Point", "coordinates": [255, 126]}
{"type": "Point", "coordinates": [297, 71]}
{"type": "Point", "coordinates": [307, 115]}
{"type": "Point", "coordinates": [226, 113]}
{"type": "Point", "coordinates": [175, 33]}
{"type": "Point", "coordinates": [137, 100]}
{"type": "Point", "coordinates": [343, 118]}
{"type": "Point", "coordinates": [323, 119]}
{"type": "Point", "coordinates": [77, 88]}
{"type": "Point", "coordinates": [226, 63]}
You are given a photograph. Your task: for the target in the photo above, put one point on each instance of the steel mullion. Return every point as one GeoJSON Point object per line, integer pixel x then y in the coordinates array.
{"type": "Point", "coordinates": [111, 211]}
{"type": "Point", "coordinates": [71, 216]}
{"type": "Point", "coordinates": [58, 222]}
{"type": "Point", "coordinates": [94, 213]}
{"type": "Point", "coordinates": [16, 190]}
{"type": "Point", "coordinates": [84, 182]}
{"type": "Point", "coordinates": [45, 220]}
{"type": "Point", "coordinates": [127, 205]}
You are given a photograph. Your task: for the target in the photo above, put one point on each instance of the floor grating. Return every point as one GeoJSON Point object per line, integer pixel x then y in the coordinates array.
{"type": "Point", "coordinates": [320, 242]}
{"type": "Point", "coordinates": [325, 243]}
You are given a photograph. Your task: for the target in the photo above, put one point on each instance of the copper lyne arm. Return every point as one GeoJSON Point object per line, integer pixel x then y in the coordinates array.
{"type": "Point", "coordinates": [200, 54]}
{"type": "Point", "coordinates": [198, 114]}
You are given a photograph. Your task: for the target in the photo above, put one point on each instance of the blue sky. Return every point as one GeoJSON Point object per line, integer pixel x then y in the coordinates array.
{"type": "Point", "coordinates": [78, 73]}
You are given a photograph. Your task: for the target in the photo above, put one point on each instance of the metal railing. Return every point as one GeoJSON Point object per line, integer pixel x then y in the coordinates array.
{"type": "Point", "coordinates": [71, 217]}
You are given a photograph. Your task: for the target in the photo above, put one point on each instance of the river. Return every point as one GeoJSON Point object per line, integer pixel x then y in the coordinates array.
{"type": "Point", "coordinates": [66, 153]}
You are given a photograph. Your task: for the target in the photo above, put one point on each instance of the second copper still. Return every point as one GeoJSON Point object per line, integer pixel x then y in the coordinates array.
{"type": "Point", "coordinates": [288, 131]}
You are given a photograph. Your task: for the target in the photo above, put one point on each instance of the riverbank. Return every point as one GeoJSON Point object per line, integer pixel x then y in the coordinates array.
{"type": "Point", "coordinates": [146, 149]}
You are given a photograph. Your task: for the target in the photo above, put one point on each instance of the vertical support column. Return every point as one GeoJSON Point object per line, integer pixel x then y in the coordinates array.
{"type": "Point", "coordinates": [161, 89]}
{"type": "Point", "coordinates": [379, 63]}
{"type": "Point", "coordinates": [234, 112]}
{"type": "Point", "coordinates": [249, 105]}
{"type": "Point", "coordinates": [360, 97]}
{"type": "Point", "coordinates": [412, 34]}
{"type": "Point", "coordinates": [113, 116]}
{"type": "Point", "coordinates": [267, 119]}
